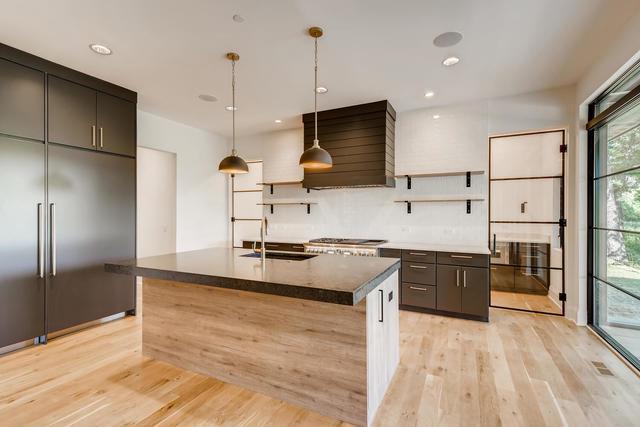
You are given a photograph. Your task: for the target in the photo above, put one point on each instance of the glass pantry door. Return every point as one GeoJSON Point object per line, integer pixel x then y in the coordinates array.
{"type": "Point", "coordinates": [526, 221]}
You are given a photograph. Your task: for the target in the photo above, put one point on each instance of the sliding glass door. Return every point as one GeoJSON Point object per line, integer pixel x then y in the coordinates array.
{"type": "Point", "coordinates": [614, 199]}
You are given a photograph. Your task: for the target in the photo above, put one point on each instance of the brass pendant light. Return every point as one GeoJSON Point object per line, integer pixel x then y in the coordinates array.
{"type": "Point", "coordinates": [316, 157]}
{"type": "Point", "coordinates": [233, 164]}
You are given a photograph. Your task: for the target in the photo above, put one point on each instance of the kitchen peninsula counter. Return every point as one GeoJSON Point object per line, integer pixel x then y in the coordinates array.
{"type": "Point", "coordinates": [321, 332]}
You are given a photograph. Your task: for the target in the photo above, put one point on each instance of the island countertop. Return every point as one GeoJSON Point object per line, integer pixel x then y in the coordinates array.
{"type": "Point", "coordinates": [334, 279]}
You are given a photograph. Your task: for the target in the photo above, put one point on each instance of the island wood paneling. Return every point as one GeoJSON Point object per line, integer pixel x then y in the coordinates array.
{"type": "Point", "coordinates": [360, 140]}
{"type": "Point", "coordinates": [305, 352]}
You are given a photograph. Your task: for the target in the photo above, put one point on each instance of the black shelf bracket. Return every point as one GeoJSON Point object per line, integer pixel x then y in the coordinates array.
{"type": "Point", "coordinates": [408, 183]}
{"type": "Point", "coordinates": [468, 206]}
{"type": "Point", "coordinates": [468, 179]}
{"type": "Point", "coordinates": [308, 190]}
{"type": "Point", "coordinates": [271, 190]}
{"type": "Point", "coordinates": [271, 206]}
{"type": "Point", "coordinates": [308, 208]}
{"type": "Point", "coordinates": [409, 205]}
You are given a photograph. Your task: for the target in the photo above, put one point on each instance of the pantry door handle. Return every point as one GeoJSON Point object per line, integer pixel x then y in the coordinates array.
{"type": "Point", "coordinates": [54, 255]}
{"type": "Point", "coordinates": [40, 241]}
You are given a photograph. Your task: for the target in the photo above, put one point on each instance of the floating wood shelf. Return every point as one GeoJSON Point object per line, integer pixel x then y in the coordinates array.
{"type": "Point", "coordinates": [440, 199]}
{"type": "Point", "coordinates": [271, 184]}
{"type": "Point", "coordinates": [434, 174]}
{"type": "Point", "coordinates": [272, 204]}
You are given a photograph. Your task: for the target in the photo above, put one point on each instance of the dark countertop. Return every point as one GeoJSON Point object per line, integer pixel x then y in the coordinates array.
{"type": "Point", "coordinates": [335, 279]}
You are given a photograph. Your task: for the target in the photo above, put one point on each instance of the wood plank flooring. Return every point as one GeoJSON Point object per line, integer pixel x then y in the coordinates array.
{"type": "Point", "coordinates": [521, 369]}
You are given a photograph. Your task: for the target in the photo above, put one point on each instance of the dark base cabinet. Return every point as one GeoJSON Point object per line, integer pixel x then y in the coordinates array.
{"type": "Point", "coordinates": [67, 205]}
{"type": "Point", "coordinates": [447, 283]}
{"type": "Point", "coordinates": [275, 246]}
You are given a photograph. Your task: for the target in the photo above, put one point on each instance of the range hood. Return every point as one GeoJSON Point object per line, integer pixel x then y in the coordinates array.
{"type": "Point", "coordinates": [360, 139]}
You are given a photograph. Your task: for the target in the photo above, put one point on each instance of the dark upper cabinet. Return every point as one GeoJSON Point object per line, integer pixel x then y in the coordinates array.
{"type": "Point", "coordinates": [83, 117]}
{"type": "Point", "coordinates": [475, 291]}
{"type": "Point", "coordinates": [116, 125]}
{"type": "Point", "coordinates": [449, 288]}
{"type": "Point", "coordinates": [21, 101]}
{"type": "Point", "coordinates": [72, 113]}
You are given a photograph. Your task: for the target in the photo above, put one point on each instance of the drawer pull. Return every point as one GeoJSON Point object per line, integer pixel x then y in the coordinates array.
{"type": "Point", "coordinates": [272, 245]}
{"type": "Point", "coordinates": [418, 253]}
{"type": "Point", "coordinates": [462, 256]}
{"type": "Point", "coordinates": [298, 247]}
{"type": "Point", "coordinates": [415, 288]}
{"type": "Point", "coordinates": [418, 266]}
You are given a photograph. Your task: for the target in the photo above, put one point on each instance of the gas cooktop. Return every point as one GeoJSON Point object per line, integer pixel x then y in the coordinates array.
{"type": "Point", "coordinates": [355, 242]}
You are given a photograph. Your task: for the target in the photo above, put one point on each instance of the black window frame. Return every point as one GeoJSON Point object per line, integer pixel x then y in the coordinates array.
{"type": "Point", "coordinates": [596, 120]}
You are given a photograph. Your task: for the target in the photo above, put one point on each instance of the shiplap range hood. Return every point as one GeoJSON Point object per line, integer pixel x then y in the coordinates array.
{"type": "Point", "coordinates": [360, 139]}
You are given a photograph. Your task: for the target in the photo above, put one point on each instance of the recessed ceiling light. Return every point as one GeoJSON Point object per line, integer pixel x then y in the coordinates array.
{"type": "Point", "coordinates": [429, 94]}
{"type": "Point", "coordinates": [322, 89]}
{"type": "Point", "coordinates": [450, 61]}
{"type": "Point", "coordinates": [278, 121]}
{"type": "Point", "coordinates": [238, 18]}
{"type": "Point", "coordinates": [436, 116]}
{"type": "Point", "coordinates": [100, 49]}
{"type": "Point", "coordinates": [447, 39]}
{"type": "Point", "coordinates": [230, 108]}
{"type": "Point", "coordinates": [207, 98]}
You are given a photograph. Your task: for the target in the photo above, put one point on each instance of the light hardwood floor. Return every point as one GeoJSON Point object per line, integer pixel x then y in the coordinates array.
{"type": "Point", "coordinates": [541, 303]}
{"type": "Point", "coordinates": [521, 369]}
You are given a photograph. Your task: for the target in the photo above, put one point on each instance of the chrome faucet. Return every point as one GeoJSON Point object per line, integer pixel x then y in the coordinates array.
{"type": "Point", "coordinates": [263, 232]}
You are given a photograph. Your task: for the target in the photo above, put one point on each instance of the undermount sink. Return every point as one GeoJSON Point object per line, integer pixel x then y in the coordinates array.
{"type": "Point", "coordinates": [287, 256]}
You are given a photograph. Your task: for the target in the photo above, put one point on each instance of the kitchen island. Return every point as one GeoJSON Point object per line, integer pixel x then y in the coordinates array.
{"type": "Point", "coordinates": [320, 331]}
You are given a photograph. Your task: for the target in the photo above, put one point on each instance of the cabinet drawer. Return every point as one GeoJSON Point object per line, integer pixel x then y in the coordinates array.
{"type": "Point", "coordinates": [419, 295]}
{"type": "Point", "coordinates": [454, 258]}
{"type": "Point", "coordinates": [417, 272]}
{"type": "Point", "coordinates": [390, 253]}
{"type": "Point", "coordinates": [418, 256]}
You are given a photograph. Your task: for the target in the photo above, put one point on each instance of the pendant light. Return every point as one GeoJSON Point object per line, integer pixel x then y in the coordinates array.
{"type": "Point", "coordinates": [233, 164]}
{"type": "Point", "coordinates": [316, 157]}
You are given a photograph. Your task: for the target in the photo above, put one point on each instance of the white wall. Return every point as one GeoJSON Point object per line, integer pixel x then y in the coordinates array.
{"type": "Point", "coordinates": [457, 140]}
{"type": "Point", "coordinates": [201, 191]}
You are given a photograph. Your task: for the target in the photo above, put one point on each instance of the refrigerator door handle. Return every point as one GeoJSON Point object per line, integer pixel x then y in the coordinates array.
{"type": "Point", "coordinates": [40, 241]}
{"type": "Point", "coordinates": [52, 218]}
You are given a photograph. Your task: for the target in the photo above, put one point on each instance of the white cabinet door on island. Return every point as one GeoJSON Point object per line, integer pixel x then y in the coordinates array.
{"type": "Point", "coordinates": [320, 332]}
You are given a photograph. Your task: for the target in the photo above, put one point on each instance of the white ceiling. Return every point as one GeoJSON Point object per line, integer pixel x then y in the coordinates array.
{"type": "Point", "coordinates": [171, 51]}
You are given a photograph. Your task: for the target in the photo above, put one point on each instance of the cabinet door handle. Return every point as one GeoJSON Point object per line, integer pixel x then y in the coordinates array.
{"type": "Point", "coordinates": [381, 318]}
{"type": "Point", "coordinates": [40, 241]}
{"type": "Point", "coordinates": [93, 135]}
{"type": "Point", "coordinates": [462, 256]}
{"type": "Point", "coordinates": [54, 255]}
{"type": "Point", "coordinates": [464, 278]}
{"type": "Point", "coordinates": [415, 288]}
{"type": "Point", "coordinates": [418, 266]}
{"type": "Point", "coordinates": [417, 253]}
{"type": "Point", "coordinates": [101, 138]}
{"type": "Point", "coordinates": [458, 278]}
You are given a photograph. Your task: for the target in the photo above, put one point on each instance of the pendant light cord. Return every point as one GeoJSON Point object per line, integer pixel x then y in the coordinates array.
{"type": "Point", "coordinates": [315, 92]}
{"type": "Point", "coordinates": [233, 106]}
